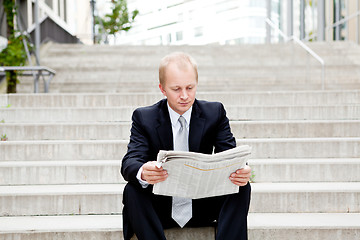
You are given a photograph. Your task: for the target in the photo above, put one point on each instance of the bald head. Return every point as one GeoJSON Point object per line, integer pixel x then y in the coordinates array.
{"type": "Point", "coordinates": [183, 62]}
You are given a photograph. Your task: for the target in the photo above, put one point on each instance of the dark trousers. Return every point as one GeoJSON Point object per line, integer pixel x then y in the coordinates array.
{"type": "Point", "coordinates": [147, 214]}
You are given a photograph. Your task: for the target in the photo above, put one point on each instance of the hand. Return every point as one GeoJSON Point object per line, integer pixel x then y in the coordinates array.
{"type": "Point", "coordinates": [241, 176]}
{"type": "Point", "coordinates": [152, 174]}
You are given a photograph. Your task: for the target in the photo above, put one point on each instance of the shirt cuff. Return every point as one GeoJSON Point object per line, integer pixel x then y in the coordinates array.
{"type": "Point", "coordinates": [143, 183]}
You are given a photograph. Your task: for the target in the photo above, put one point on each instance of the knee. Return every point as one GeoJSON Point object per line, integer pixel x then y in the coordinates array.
{"type": "Point", "coordinates": [129, 193]}
{"type": "Point", "coordinates": [244, 193]}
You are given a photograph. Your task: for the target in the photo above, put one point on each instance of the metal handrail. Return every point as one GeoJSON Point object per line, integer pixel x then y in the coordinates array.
{"type": "Point", "coordinates": [338, 23]}
{"type": "Point", "coordinates": [35, 71]}
{"type": "Point", "coordinates": [306, 48]}
{"type": "Point", "coordinates": [344, 20]}
{"type": "Point", "coordinates": [30, 71]}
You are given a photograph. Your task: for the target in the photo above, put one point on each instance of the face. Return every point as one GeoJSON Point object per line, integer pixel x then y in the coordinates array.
{"type": "Point", "coordinates": [179, 87]}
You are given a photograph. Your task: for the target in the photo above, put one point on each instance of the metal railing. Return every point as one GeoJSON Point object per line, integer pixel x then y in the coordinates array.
{"type": "Point", "coordinates": [306, 48]}
{"type": "Point", "coordinates": [345, 20]}
{"type": "Point", "coordinates": [36, 71]}
{"type": "Point", "coordinates": [336, 24]}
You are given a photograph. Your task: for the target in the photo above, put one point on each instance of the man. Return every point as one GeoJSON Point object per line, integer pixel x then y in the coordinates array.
{"type": "Point", "coordinates": [207, 130]}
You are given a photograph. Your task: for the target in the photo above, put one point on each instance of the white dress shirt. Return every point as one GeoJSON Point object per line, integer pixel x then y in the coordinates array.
{"type": "Point", "coordinates": [175, 124]}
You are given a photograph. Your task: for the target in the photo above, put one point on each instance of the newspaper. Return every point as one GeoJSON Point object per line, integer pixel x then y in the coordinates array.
{"type": "Point", "coordinates": [197, 175]}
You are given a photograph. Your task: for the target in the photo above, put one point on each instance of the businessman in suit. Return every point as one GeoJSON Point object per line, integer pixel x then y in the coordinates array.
{"type": "Point", "coordinates": [157, 127]}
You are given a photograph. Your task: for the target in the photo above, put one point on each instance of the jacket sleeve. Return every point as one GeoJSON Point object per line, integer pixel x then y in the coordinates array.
{"type": "Point", "coordinates": [224, 139]}
{"type": "Point", "coordinates": [138, 151]}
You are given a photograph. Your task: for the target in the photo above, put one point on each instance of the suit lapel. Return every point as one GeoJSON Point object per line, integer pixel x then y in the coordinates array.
{"type": "Point", "coordinates": [164, 128]}
{"type": "Point", "coordinates": [196, 128]}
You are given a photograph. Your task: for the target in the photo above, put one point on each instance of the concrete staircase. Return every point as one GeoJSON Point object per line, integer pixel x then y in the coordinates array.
{"type": "Point", "coordinates": [59, 168]}
{"type": "Point", "coordinates": [112, 69]}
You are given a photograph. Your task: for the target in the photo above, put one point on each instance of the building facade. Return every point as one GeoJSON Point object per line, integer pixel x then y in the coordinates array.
{"type": "Point", "coordinates": [67, 17]}
{"type": "Point", "coordinates": [177, 22]}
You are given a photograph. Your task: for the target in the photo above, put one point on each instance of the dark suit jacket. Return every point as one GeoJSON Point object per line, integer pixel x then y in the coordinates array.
{"type": "Point", "coordinates": [151, 131]}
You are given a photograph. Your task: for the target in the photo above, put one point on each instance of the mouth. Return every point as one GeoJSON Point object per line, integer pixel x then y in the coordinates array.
{"type": "Point", "coordinates": [184, 104]}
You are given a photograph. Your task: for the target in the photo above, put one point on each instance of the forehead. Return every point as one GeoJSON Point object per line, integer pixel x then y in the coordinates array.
{"type": "Point", "coordinates": [178, 69]}
{"type": "Point", "coordinates": [180, 76]}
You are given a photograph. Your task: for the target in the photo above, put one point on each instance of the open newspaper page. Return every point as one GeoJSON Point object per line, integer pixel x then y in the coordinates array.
{"type": "Point", "coordinates": [197, 175]}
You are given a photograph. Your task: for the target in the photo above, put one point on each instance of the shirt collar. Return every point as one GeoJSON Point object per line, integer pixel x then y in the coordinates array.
{"type": "Point", "coordinates": [174, 116]}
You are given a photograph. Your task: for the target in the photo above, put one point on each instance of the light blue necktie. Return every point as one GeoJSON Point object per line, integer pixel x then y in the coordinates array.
{"type": "Point", "coordinates": [181, 207]}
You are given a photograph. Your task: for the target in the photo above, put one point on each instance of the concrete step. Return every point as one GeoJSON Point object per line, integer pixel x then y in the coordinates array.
{"type": "Point", "coordinates": [121, 130]}
{"type": "Point", "coordinates": [95, 227]}
{"type": "Point", "coordinates": [107, 171]}
{"type": "Point", "coordinates": [62, 150]}
{"type": "Point", "coordinates": [227, 65]}
{"type": "Point", "coordinates": [110, 114]}
{"type": "Point", "coordinates": [295, 128]}
{"type": "Point", "coordinates": [214, 53]}
{"type": "Point", "coordinates": [262, 226]}
{"type": "Point", "coordinates": [303, 147]}
{"type": "Point", "coordinates": [116, 149]}
{"type": "Point", "coordinates": [236, 75]}
{"type": "Point", "coordinates": [49, 200]}
{"type": "Point", "coordinates": [284, 57]}
{"type": "Point", "coordinates": [254, 84]}
{"type": "Point", "coordinates": [66, 131]}
{"type": "Point", "coordinates": [306, 170]}
{"type": "Point", "coordinates": [60, 172]}
{"type": "Point", "coordinates": [144, 54]}
{"type": "Point", "coordinates": [4, 100]}
{"type": "Point", "coordinates": [84, 199]}
{"type": "Point", "coordinates": [294, 112]}
{"type": "Point", "coordinates": [333, 197]}
{"type": "Point", "coordinates": [279, 98]}
{"type": "Point", "coordinates": [100, 227]}
{"type": "Point", "coordinates": [317, 226]}
{"type": "Point", "coordinates": [267, 67]}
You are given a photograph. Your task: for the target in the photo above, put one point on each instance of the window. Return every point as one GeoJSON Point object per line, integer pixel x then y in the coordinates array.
{"type": "Point", "coordinates": [258, 3]}
{"type": "Point", "coordinates": [198, 32]}
{"type": "Point", "coordinates": [169, 38]}
{"type": "Point", "coordinates": [179, 36]}
{"type": "Point", "coordinates": [49, 3]}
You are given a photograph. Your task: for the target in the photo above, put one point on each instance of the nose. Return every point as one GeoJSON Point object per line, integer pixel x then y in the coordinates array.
{"type": "Point", "coordinates": [184, 95]}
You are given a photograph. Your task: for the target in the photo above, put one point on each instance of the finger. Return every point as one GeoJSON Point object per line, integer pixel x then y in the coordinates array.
{"type": "Point", "coordinates": [240, 175]}
{"type": "Point", "coordinates": [153, 180]}
{"type": "Point", "coordinates": [244, 170]}
{"type": "Point", "coordinates": [151, 166]}
{"type": "Point", "coordinates": [154, 176]}
{"type": "Point", "coordinates": [151, 175]}
{"type": "Point", "coordinates": [240, 184]}
{"type": "Point", "coordinates": [240, 180]}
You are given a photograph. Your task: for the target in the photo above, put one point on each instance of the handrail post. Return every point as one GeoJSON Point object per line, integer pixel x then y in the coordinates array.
{"type": "Point", "coordinates": [357, 24]}
{"type": "Point", "coordinates": [268, 15]}
{"type": "Point", "coordinates": [36, 83]}
{"type": "Point", "coordinates": [302, 19]}
{"type": "Point", "coordinates": [37, 32]}
{"type": "Point", "coordinates": [290, 17]}
{"type": "Point", "coordinates": [321, 20]}
{"type": "Point", "coordinates": [337, 19]}
{"type": "Point", "coordinates": [323, 77]}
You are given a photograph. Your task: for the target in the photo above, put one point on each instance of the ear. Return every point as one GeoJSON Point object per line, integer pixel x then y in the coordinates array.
{"type": "Point", "coordinates": [162, 89]}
